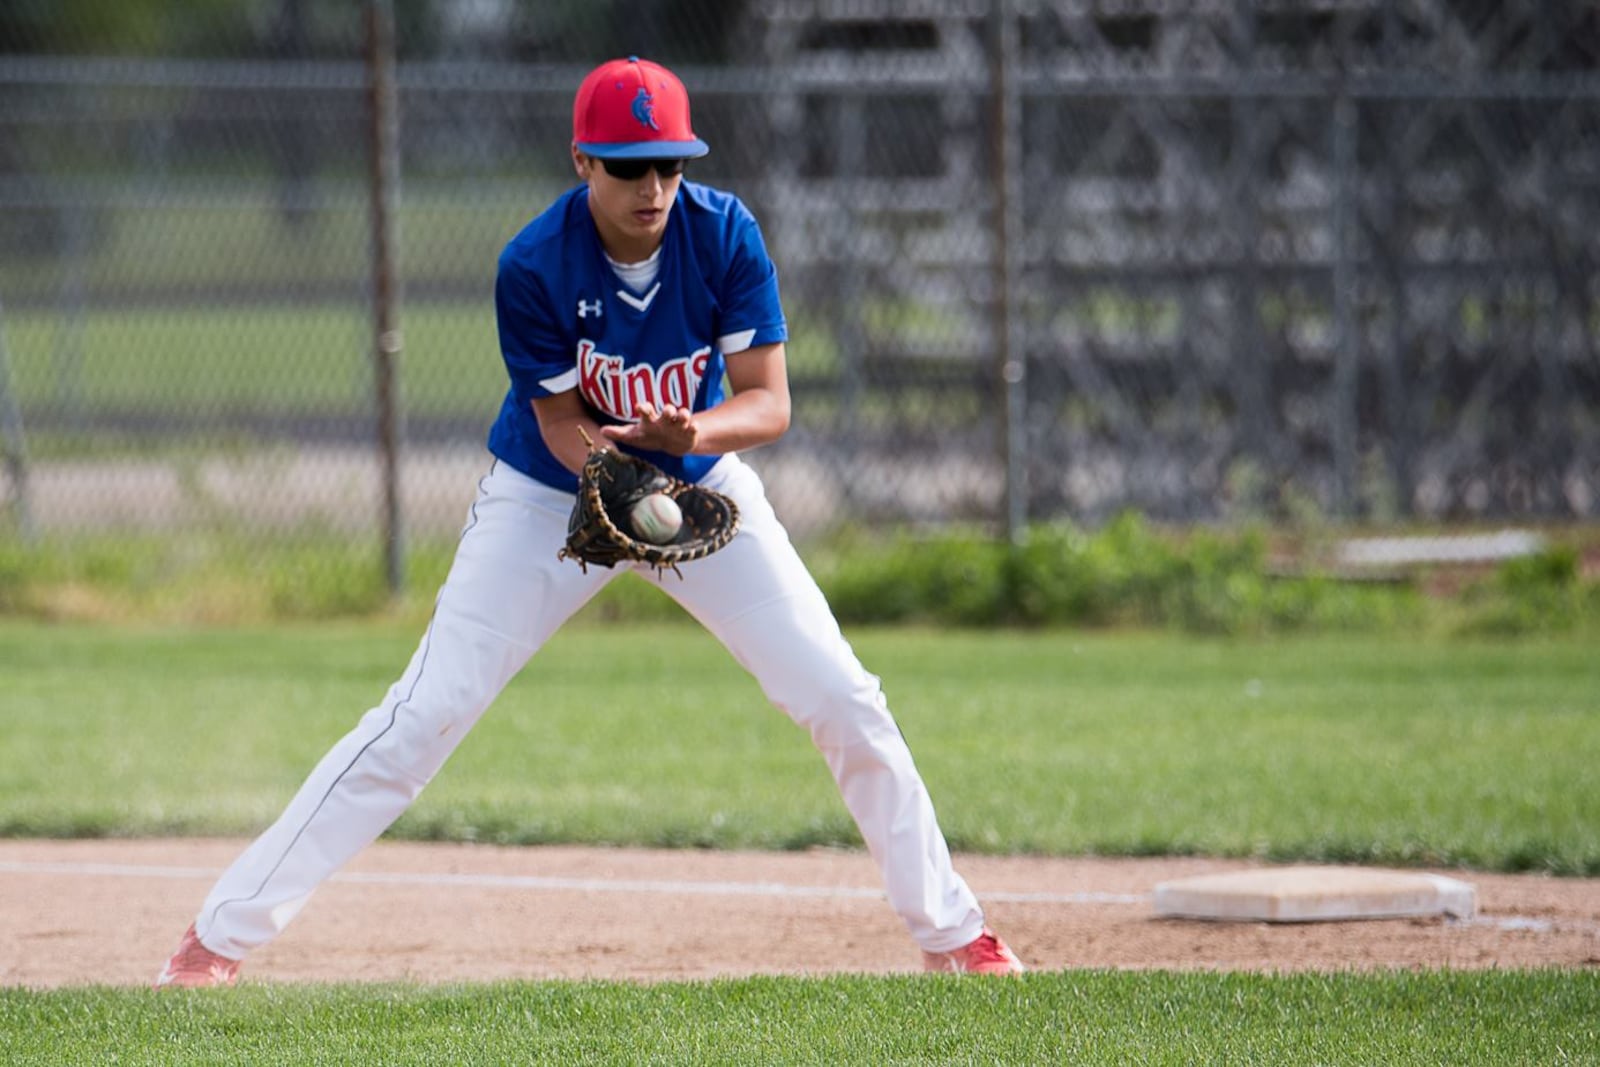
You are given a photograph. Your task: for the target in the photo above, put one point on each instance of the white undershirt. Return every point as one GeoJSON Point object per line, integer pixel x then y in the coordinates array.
{"type": "Point", "coordinates": [638, 276]}
{"type": "Point", "coordinates": [642, 275]}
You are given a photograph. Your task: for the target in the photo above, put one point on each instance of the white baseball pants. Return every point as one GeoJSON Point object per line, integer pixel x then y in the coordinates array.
{"type": "Point", "coordinates": [506, 594]}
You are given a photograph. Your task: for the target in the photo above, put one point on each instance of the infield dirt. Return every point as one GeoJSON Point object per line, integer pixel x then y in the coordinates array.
{"type": "Point", "coordinates": [79, 912]}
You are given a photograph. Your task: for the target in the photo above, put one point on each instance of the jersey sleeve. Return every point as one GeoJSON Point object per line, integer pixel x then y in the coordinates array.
{"type": "Point", "coordinates": [539, 360]}
{"type": "Point", "coordinates": [752, 314]}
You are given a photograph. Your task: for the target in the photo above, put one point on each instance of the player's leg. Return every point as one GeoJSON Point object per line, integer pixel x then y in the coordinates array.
{"type": "Point", "coordinates": [505, 595]}
{"type": "Point", "coordinates": [758, 598]}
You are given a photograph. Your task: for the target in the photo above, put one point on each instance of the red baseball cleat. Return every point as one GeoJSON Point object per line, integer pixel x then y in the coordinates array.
{"type": "Point", "coordinates": [987, 955]}
{"type": "Point", "coordinates": [194, 965]}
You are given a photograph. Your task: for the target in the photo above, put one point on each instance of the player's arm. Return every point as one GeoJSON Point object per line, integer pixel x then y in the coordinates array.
{"type": "Point", "coordinates": [757, 412]}
{"type": "Point", "coordinates": [560, 417]}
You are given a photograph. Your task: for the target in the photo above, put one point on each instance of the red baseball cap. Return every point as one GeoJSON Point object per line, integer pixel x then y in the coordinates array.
{"type": "Point", "coordinates": [634, 109]}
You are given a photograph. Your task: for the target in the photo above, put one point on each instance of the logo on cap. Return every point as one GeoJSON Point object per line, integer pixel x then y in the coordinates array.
{"type": "Point", "coordinates": [644, 109]}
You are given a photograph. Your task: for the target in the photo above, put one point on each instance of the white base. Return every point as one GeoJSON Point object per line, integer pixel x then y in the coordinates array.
{"type": "Point", "coordinates": [1314, 894]}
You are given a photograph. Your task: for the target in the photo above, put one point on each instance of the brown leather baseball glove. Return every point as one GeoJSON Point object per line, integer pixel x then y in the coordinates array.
{"type": "Point", "coordinates": [602, 532]}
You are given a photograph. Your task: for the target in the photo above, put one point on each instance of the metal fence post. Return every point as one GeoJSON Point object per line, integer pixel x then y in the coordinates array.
{"type": "Point", "coordinates": [1253, 364]}
{"type": "Point", "coordinates": [1011, 356]}
{"type": "Point", "coordinates": [1347, 343]}
{"type": "Point", "coordinates": [74, 304]}
{"type": "Point", "coordinates": [13, 443]}
{"type": "Point", "coordinates": [388, 340]}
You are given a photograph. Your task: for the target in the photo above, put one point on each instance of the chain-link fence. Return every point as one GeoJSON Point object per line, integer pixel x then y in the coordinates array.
{"type": "Point", "coordinates": [1041, 259]}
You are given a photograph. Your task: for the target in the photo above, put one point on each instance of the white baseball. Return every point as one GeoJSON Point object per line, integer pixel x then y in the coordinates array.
{"type": "Point", "coordinates": [656, 518]}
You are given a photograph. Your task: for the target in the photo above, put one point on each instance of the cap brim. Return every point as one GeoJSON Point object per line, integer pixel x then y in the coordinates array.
{"type": "Point", "coordinates": [647, 150]}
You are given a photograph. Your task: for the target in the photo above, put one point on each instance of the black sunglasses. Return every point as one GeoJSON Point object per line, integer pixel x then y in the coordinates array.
{"type": "Point", "coordinates": [631, 170]}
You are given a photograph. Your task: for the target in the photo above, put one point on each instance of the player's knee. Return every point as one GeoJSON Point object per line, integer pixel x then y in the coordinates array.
{"type": "Point", "coordinates": [846, 715]}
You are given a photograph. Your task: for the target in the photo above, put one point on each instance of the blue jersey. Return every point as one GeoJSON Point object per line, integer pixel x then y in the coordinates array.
{"type": "Point", "coordinates": [567, 321]}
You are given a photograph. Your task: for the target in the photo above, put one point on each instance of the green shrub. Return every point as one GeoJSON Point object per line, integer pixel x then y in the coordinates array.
{"type": "Point", "coordinates": [14, 576]}
{"type": "Point", "coordinates": [953, 578]}
{"type": "Point", "coordinates": [219, 575]}
{"type": "Point", "coordinates": [1126, 573]}
{"type": "Point", "coordinates": [1542, 593]}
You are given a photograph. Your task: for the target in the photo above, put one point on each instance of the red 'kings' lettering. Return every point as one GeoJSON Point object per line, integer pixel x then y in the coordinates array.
{"type": "Point", "coordinates": [612, 387]}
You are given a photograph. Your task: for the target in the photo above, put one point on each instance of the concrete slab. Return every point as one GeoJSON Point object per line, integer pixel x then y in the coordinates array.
{"type": "Point", "coordinates": [1459, 548]}
{"type": "Point", "coordinates": [1314, 894]}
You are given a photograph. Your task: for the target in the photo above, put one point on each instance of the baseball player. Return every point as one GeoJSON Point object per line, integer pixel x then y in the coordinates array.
{"type": "Point", "coordinates": [621, 310]}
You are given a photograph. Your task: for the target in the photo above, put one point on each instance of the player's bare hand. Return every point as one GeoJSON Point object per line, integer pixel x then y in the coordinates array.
{"type": "Point", "coordinates": [671, 429]}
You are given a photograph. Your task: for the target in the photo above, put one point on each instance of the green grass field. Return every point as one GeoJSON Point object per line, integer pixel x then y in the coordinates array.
{"type": "Point", "coordinates": [1088, 1018]}
{"type": "Point", "coordinates": [289, 360]}
{"type": "Point", "coordinates": [1340, 749]}
{"type": "Point", "coordinates": [1438, 751]}
{"type": "Point", "coordinates": [1353, 749]}
{"type": "Point", "coordinates": [285, 362]}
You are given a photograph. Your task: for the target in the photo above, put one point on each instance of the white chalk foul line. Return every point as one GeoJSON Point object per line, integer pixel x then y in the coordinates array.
{"type": "Point", "coordinates": [578, 885]}
{"type": "Point", "coordinates": [1508, 923]}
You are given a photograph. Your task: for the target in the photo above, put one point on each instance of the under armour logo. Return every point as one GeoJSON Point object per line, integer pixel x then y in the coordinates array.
{"type": "Point", "coordinates": [587, 308]}
{"type": "Point", "coordinates": [644, 108]}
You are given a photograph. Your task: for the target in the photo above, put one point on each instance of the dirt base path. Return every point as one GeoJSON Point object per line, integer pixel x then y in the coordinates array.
{"type": "Point", "coordinates": [109, 912]}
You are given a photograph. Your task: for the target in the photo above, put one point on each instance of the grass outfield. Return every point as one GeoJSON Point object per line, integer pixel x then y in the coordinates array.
{"type": "Point", "coordinates": [1487, 1018]}
{"type": "Point", "coordinates": [288, 361]}
{"type": "Point", "coordinates": [1348, 749]}
{"type": "Point", "coordinates": [283, 361]}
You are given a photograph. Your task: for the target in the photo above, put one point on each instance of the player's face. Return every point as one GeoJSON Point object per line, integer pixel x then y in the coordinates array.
{"type": "Point", "coordinates": [630, 210]}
